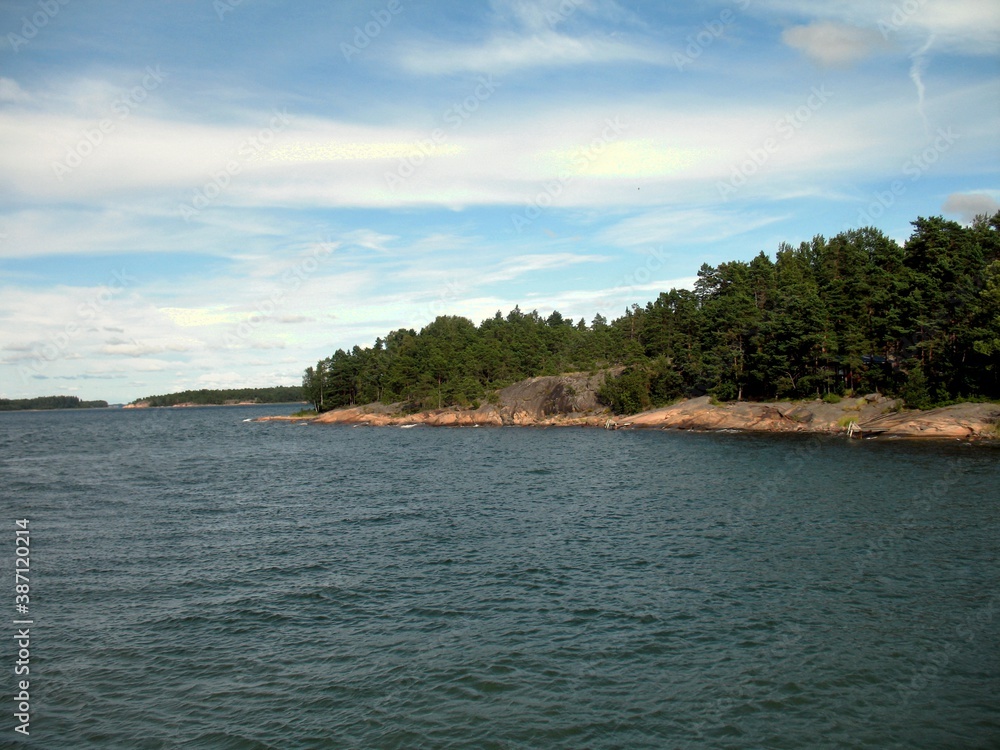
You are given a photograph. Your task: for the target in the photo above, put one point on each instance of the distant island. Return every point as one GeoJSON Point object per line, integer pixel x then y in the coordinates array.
{"type": "Point", "coordinates": [49, 402]}
{"type": "Point", "coordinates": [280, 394]}
{"type": "Point", "coordinates": [917, 325]}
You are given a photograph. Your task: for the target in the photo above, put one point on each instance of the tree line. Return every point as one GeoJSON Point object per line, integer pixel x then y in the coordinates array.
{"type": "Point", "coordinates": [49, 402]}
{"type": "Point", "coordinates": [857, 313]}
{"type": "Point", "coordinates": [280, 394]}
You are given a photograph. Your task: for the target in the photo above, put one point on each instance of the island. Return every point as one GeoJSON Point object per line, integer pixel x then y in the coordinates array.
{"type": "Point", "coordinates": [573, 399]}
{"type": "Point", "coordinates": [222, 397]}
{"type": "Point", "coordinates": [49, 402]}
{"type": "Point", "coordinates": [857, 334]}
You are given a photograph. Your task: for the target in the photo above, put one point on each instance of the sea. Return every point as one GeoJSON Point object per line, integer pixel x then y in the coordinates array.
{"type": "Point", "coordinates": [198, 580]}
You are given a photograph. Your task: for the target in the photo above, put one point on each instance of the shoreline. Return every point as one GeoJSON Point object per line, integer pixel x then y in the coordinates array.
{"type": "Point", "coordinates": [193, 405]}
{"type": "Point", "coordinates": [869, 417]}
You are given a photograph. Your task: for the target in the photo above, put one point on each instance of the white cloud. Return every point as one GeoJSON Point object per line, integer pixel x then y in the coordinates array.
{"type": "Point", "coordinates": [139, 348]}
{"type": "Point", "coordinates": [507, 53]}
{"type": "Point", "coordinates": [368, 239]}
{"type": "Point", "coordinates": [525, 264]}
{"type": "Point", "coordinates": [537, 15]}
{"type": "Point", "coordinates": [675, 151]}
{"type": "Point", "coordinates": [537, 34]}
{"type": "Point", "coordinates": [669, 228]}
{"type": "Point", "coordinates": [10, 91]}
{"type": "Point", "coordinates": [966, 27]}
{"type": "Point", "coordinates": [834, 44]}
{"type": "Point", "coordinates": [187, 317]}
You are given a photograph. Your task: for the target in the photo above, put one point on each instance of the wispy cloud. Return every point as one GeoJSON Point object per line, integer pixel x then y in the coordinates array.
{"type": "Point", "coordinates": [967, 27]}
{"type": "Point", "coordinates": [512, 52]}
{"type": "Point", "coordinates": [236, 293]}
{"type": "Point", "coordinates": [917, 76]}
{"type": "Point", "coordinates": [528, 35]}
{"type": "Point", "coordinates": [10, 91]}
{"type": "Point", "coordinates": [675, 229]}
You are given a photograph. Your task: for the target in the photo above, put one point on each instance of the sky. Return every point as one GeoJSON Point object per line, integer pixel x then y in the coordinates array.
{"type": "Point", "coordinates": [219, 193]}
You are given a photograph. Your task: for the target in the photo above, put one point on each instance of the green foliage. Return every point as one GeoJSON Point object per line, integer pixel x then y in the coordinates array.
{"type": "Point", "coordinates": [855, 313]}
{"type": "Point", "coordinates": [277, 395]}
{"type": "Point", "coordinates": [831, 398]}
{"type": "Point", "coordinates": [915, 392]}
{"type": "Point", "coordinates": [627, 393]}
{"type": "Point", "coordinates": [49, 402]}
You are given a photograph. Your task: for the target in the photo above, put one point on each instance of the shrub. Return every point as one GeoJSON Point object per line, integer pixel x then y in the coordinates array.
{"type": "Point", "coordinates": [626, 394]}
{"type": "Point", "coordinates": [915, 392]}
{"type": "Point", "coordinates": [726, 392]}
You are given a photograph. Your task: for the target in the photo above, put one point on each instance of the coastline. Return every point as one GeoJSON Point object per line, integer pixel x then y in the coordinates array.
{"type": "Point", "coordinates": [192, 404]}
{"type": "Point", "coordinates": [868, 417]}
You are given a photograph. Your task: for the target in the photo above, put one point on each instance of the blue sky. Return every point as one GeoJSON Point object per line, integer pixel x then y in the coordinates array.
{"type": "Point", "coordinates": [208, 194]}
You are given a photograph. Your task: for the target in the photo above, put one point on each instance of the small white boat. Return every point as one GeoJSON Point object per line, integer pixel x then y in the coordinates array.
{"type": "Point", "coordinates": [406, 426]}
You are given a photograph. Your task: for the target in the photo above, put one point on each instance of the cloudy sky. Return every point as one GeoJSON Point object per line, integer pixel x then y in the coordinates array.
{"type": "Point", "coordinates": [199, 194]}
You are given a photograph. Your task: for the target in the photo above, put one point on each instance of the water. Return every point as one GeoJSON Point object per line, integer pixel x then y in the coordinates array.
{"type": "Point", "coordinates": [203, 582]}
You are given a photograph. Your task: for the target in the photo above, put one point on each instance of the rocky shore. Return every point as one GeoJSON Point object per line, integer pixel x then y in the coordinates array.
{"type": "Point", "coordinates": [571, 400]}
{"type": "Point", "coordinates": [868, 417]}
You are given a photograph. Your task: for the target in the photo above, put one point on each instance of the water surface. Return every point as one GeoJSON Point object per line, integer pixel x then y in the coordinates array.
{"type": "Point", "coordinates": [204, 582]}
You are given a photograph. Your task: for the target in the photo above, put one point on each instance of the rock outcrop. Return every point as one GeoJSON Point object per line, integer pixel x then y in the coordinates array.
{"type": "Point", "coordinates": [548, 400]}
{"type": "Point", "coordinates": [871, 416]}
{"type": "Point", "coordinates": [960, 422]}
{"type": "Point", "coordinates": [568, 400]}
{"type": "Point", "coordinates": [800, 416]}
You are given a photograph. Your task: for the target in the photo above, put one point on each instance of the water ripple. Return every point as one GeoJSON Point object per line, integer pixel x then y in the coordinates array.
{"type": "Point", "coordinates": [206, 582]}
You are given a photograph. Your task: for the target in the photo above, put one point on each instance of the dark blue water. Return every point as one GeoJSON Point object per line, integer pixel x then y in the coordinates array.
{"type": "Point", "coordinates": [202, 582]}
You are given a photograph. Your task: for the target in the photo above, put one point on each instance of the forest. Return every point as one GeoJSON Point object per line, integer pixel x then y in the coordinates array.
{"type": "Point", "coordinates": [49, 402]}
{"type": "Point", "coordinates": [855, 314]}
{"type": "Point", "coordinates": [280, 394]}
